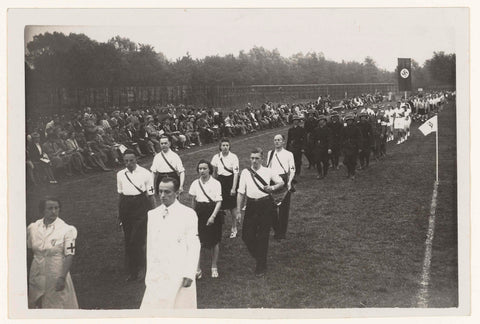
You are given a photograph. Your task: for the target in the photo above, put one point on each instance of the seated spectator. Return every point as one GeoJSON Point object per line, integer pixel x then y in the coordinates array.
{"type": "Point", "coordinates": [72, 147]}
{"type": "Point", "coordinates": [93, 158]}
{"type": "Point", "coordinates": [146, 145]}
{"type": "Point", "coordinates": [40, 162]}
{"type": "Point", "coordinates": [206, 133]}
{"type": "Point", "coordinates": [56, 155]}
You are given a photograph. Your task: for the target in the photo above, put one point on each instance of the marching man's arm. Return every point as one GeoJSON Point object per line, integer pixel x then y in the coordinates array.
{"type": "Point", "coordinates": [193, 249]}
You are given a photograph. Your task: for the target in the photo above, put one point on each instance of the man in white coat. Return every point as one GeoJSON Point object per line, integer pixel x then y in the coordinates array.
{"type": "Point", "coordinates": [173, 250]}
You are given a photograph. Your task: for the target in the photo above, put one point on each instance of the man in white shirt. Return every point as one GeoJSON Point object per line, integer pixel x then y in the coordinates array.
{"type": "Point", "coordinates": [255, 184]}
{"type": "Point", "coordinates": [173, 251]}
{"type": "Point", "coordinates": [135, 187]}
{"type": "Point", "coordinates": [282, 163]}
{"type": "Point", "coordinates": [167, 163]}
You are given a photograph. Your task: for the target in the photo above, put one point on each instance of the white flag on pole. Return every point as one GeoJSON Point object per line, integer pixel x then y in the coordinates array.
{"type": "Point", "coordinates": [429, 126]}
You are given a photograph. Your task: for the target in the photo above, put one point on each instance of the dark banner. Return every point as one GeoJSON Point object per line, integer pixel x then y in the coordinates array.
{"type": "Point", "coordinates": [404, 71]}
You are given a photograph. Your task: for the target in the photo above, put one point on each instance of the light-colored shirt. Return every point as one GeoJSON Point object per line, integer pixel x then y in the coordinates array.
{"type": "Point", "coordinates": [141, 177]}
{"type": "Point", "coordinates": [212, 187]}
{"type": "Point", "coordinates": [286, 159]}
{"type": "Point", "coordinates": [230, 161]}
{"type": "Point", "coordinates": [250, 189]}
{"type": "Point", "coordinates": [159, 164]}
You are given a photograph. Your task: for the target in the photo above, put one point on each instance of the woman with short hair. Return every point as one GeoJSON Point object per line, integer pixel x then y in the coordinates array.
{"type": "Point", "coordinates": [207, 200]}
{"type": "Point", "coordinates": [51, 247]}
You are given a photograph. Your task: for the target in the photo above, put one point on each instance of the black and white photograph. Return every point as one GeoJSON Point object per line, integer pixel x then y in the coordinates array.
{"type": "Point", "coordinates": [239, 162]}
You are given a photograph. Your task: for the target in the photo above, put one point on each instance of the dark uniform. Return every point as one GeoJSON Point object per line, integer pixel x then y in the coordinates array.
{"type": "Point", "coordinates": [367, 139]}
{"type": "Point", "coordinates": [377, 130]}
{"type": "Point", "coordinates": [351, 141]}
{"type": "Point", "coordinates": [322, 142]}
{"type": "Point", "coordinates": [310, 125]}
{"type": "Point", "coordinates": [296, 143]}
{"type": "Point", "coordinates": [336, 138]}
{"type": "Point", "coordinates": [383, 135]}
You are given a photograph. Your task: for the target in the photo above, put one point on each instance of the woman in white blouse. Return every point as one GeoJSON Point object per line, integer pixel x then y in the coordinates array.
{"type": "Point", "coordinates": [52, 242]}
{"type": "Point", "coordinates": [207, 199]}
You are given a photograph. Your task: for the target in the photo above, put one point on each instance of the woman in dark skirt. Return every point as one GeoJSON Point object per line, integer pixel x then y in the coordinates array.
{"type": "Point", "coordinates": [207, 199]}
{"type": "Point", "coordinates": [226, 170]}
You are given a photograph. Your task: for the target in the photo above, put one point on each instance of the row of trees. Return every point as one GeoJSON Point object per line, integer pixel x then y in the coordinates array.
{"type": "Point", "coordinates": [76, 61]}
{"type": "Point", "coordinates": [440, 70]}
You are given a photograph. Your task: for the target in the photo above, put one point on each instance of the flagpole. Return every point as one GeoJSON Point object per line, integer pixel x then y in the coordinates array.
{"type": "Point", "coordinates": [436, 140]}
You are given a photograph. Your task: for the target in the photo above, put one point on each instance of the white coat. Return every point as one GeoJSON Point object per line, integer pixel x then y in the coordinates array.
{"type": "Point", "coordinates": [173, 251]}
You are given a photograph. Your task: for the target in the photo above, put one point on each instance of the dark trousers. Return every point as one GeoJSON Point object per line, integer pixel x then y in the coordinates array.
{"type": "Point", "coordinates": [256, 230]}
{"type": "Point", "coordinates": [321, 158]}
{"type": "Point", "coordinates": [364, 157]}
{"type": "Point", "coordinates": [280, 223]}
{"type": "Point", "coordinates": [350, 161]}
{"type": "Point", "coordinates": [133, 214]}
{"type": "Point", "coordinates": [297, 157]}
{"type": "Point", "coordinates": [335, 156]}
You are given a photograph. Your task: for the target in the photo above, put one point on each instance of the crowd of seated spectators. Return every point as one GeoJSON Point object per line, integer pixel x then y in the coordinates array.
{"type": "Point", "coordinates": [61, 145]}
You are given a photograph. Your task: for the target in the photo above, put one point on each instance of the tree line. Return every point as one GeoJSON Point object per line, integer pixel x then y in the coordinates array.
{"type": "Point", "coordinates": [56, 60]}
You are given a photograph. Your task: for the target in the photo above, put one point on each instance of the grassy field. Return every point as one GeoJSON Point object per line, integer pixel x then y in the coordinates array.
{"type": "Point", "coordinates": [349, 243]}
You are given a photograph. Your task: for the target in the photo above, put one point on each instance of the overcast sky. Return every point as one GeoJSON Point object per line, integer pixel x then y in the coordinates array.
{"type": "Point", "coordinates": [341, 34]}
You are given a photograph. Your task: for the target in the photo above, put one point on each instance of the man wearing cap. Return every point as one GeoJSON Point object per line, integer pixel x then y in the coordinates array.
{"type": "Point", "coordinates": [336, 138]}
{"type": "Point", "coordinates": [296, 143]}
{"type": "Point", "coordinates": [282, 162]}
{"type": "Point", "coordinates": [322, 146]}
{"type": "Point", "coordinates": [367, 140]}
{"type": "Point", "coordinates": [351, 140]}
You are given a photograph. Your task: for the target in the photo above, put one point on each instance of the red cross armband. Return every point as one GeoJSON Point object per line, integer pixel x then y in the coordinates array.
{"type": "Point", "coordinates": [70, 238]}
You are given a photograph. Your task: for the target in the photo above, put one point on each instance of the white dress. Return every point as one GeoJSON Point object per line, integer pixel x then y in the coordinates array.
{"type": "Point", "coordinates": [50, 244]}
{"type": "Point", "coordinates": [173, 250]}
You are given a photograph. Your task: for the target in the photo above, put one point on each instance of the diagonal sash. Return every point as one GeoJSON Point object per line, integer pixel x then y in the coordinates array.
{"type": "Point", "coordinates": [128, 178]}
{"type": "Point", "coordinates": [203, 190]}
{"type": "Point", "coordinates": [227, 169]}
{"type": "Point", "coordinates": [270, 158]}
{"type": "Point", "coordinates": [256, 176]}
{"type": "Point", "coordinates": [168, 163]}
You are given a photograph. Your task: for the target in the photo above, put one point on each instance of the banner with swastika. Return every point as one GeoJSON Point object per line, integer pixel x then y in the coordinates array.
{"type": "Point", "coordinates": [404, 70]}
